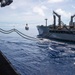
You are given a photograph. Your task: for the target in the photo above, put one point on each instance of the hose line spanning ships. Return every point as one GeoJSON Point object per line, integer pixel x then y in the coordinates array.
{"type": "Point", "coordinates": [61, 31]}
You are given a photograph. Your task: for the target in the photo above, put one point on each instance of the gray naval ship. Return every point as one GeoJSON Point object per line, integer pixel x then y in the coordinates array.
{"type": "Point", "coordinates": [61, 31]}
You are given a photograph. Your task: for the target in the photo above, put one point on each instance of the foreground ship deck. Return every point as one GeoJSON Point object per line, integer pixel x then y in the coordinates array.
{"type": "Point", "coordinates": [5, 66]}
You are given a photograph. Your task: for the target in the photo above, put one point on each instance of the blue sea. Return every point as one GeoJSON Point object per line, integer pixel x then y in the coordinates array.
{"type": "Point", "coordinates": [33, 57]}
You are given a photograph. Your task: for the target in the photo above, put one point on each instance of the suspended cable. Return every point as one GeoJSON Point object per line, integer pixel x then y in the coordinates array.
{"type": "Point", "coordinates": [19, 33]}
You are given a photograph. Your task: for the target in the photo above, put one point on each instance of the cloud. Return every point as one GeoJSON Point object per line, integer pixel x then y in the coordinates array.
{"type": "Point", "coordinates": [39, 10]}
{"type": "Point", "coordinates": [44, 7]}
{"type": "Point", "coordinates": [63, 13]}
{"type": "Point", "coordinates": [55, 1]}
{"type": "Point", "coordinates": [73, 6]}
{"type": "Point", "coordinates": [17, 4]}
{"type": "Point", "coordinates": [13, 7]}
{"type": "Point", "coordinates": [35, 10]}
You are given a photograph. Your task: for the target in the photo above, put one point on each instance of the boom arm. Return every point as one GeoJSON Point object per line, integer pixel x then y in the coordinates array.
{"type": "Point", "coordinates": [56, 14]}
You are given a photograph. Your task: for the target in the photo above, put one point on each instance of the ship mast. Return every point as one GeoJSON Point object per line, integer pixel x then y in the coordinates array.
{"type": "Point", "coordinates": [46, 21]}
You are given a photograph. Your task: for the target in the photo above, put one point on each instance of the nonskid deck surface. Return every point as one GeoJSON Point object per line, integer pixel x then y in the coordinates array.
{"type": "Point", "coordinates": [5, 66]}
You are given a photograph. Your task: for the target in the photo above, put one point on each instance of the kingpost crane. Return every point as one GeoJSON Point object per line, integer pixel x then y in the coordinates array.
{"type": "Point", "coordinates": [59, 18]}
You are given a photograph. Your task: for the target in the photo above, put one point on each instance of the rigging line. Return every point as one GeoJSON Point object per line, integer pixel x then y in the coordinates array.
{"type": "Point", "coordinates": [19, 33]}
{"type": "Point", "coordinates": [6, 32]}
{"type": "Point", "coordinates": [26, 35]}
{"type": "Point", "coordinates": [22, 36]}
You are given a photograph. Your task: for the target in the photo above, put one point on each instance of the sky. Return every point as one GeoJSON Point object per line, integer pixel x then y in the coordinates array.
{"type": "Point", "coordinates": [36, 11]}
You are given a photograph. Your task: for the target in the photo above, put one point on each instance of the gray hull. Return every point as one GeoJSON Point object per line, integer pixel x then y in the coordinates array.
{"type": "Point", "coordinates": [43, 31]}
{"type": "Point", "coordinates": [60, 35]}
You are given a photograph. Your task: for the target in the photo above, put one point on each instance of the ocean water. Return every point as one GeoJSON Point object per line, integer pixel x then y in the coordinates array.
{"type": "Point", "coordinates": [30, 57]}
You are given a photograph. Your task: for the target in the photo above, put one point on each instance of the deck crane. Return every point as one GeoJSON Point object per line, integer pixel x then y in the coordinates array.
{"type": "Point", "coordinates": [59, 19]}
{"type": "Point", "coordinates": [72, 24]}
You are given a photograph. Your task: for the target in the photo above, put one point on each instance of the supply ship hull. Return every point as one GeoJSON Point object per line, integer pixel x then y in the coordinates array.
{"type": "Point", "coordinates": [62, 35]}
{"type": "Point", "coordinates": [60, 31]}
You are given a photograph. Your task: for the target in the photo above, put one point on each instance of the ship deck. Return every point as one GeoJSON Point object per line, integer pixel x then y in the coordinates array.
{"type": "Point", "coordinates": [5, 66]}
